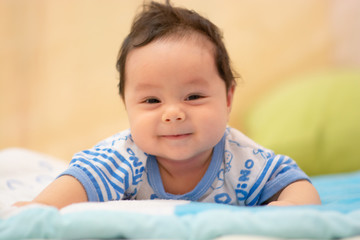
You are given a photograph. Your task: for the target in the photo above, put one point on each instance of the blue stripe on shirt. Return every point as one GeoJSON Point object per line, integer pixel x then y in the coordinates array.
{"type": "Point", "coordinates": [105, 184]}
{"type": "Point", "coordinates": [113, 161]}
{"type": "Point", "coordinates": [106, 165]}
{"type": "Point", "coordinates": [124, 180]}
{"type": "Point", "coordinates": [115, 186]}
{"type": "Point", "coordinates": [96, 185]}
{"type": "Point", "coordinates": [259, 181]}
{"type": "Point", "coordinates": [277, 165]}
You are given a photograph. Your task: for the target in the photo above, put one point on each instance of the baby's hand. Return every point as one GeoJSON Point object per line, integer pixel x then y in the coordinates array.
{"type": "Point", "coordinates": [22, 203]}
{"type": "Point", "coordinates": [281, 203]}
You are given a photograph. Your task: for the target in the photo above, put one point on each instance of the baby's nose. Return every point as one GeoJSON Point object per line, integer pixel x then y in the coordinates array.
{"type": "Point", "coordinates": [173, 115]}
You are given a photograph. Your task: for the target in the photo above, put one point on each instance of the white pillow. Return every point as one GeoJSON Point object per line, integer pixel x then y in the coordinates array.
{"type": "Point", "coordinates": [24, 173]}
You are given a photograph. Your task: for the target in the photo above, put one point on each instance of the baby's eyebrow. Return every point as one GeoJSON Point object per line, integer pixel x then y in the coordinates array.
{"type": "Point", "coordinates": [144, 86]}
{"type": "Point", "coordinates": [197, 82]}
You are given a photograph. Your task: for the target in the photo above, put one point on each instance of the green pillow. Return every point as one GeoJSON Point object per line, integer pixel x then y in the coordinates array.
{"type": "Point", "coordinates": [314, 119]}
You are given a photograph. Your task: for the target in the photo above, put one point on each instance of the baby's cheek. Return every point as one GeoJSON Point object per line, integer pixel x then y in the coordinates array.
{"type": "Point", "coordinates": [143, 135]}
{"type": "Point", "coordinates": [140, 121]}
{"type": "Point", "coordinates": [141, 140]}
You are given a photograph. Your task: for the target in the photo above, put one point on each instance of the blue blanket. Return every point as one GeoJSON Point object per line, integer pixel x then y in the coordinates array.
{"type": "Point", "coordinates": [338, 217]}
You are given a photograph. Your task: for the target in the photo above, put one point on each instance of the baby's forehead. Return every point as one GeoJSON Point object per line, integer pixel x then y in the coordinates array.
{"type": "Point", "coordinates": [186, 38]}
{"type": "Point", "coordinates": [187, 57]}
{"type": "Point", "coordinates": [172, 46]}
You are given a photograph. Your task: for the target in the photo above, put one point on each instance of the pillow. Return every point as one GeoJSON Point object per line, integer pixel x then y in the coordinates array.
{"type": "Point", "coordinates": [25, 173]}
{"type": "Point", "coordinates": [314, 119]}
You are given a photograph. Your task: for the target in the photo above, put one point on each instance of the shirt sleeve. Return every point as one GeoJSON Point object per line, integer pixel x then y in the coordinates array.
{"type": "Point", "coordinates": [284, 172]}
{"type": "Point", "coordinates": [108, 171]}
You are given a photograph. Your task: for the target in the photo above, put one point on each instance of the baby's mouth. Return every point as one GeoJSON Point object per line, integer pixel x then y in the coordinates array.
{"type": "Point", "coordinates": [176, 136]}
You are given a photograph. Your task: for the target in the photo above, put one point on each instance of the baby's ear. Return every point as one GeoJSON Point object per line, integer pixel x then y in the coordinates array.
{"type": "Point", "coordinates": [230, 96]}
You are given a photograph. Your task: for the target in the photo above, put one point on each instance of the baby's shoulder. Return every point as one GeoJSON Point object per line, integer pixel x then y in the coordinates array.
{"type": "Point", "coordinates": [235, 139]}
{"type": "Point", "coordinates": [118, 149]}
{"type": "Point", "coordinates": [123, 137]}
{"type": "Point", "coordinates": [242, 153]}
{"type": "Point", "coordinates": [119, 145]}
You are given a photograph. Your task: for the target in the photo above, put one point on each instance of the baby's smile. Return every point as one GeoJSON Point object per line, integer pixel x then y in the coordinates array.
{"type": "Point", "coordinates": [176, 136]}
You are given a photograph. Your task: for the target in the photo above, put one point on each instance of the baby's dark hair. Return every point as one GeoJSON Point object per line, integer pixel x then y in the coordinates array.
{"type": "Point", "coordinates": [158, 21]}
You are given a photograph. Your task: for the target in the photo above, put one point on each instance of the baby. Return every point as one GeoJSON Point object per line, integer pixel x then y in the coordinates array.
{"type": "Point", "coordinates": [177, 86]}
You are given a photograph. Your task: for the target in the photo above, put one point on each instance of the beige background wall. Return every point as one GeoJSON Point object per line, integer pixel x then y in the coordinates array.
{"type": "Point", "coordinates": [58, 83]}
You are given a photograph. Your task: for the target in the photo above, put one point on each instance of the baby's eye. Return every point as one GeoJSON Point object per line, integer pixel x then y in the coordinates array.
{"type": "Point", "coordinates": [193, 97]}
{"type": "Point", "coordinates": [151, 100]}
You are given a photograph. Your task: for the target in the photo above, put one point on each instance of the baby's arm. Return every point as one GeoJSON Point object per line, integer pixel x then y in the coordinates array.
{"type": "Point", "coordinates": [297, 193]}
{"type": "Point", "coordinates": [64, 191]}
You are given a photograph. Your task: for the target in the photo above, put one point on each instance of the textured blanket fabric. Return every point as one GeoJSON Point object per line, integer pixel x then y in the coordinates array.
{"type": "Point", "coordinates": [338, 217]}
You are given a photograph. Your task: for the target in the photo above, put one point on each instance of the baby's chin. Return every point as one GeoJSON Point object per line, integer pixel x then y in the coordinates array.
{"type": "Point", "coordinates": [182, 158]}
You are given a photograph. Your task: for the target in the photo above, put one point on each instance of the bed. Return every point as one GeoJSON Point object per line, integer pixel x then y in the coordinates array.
{"type": "Point", "coordinates": [334, 166]}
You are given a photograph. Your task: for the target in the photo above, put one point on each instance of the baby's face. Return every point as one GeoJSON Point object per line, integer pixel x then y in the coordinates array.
{"type": "Point", "coordinates": [177, 104]}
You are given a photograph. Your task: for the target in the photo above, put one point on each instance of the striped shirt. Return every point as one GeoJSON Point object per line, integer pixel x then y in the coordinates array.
{"type": "Point", "coordinates": [241, 172]}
